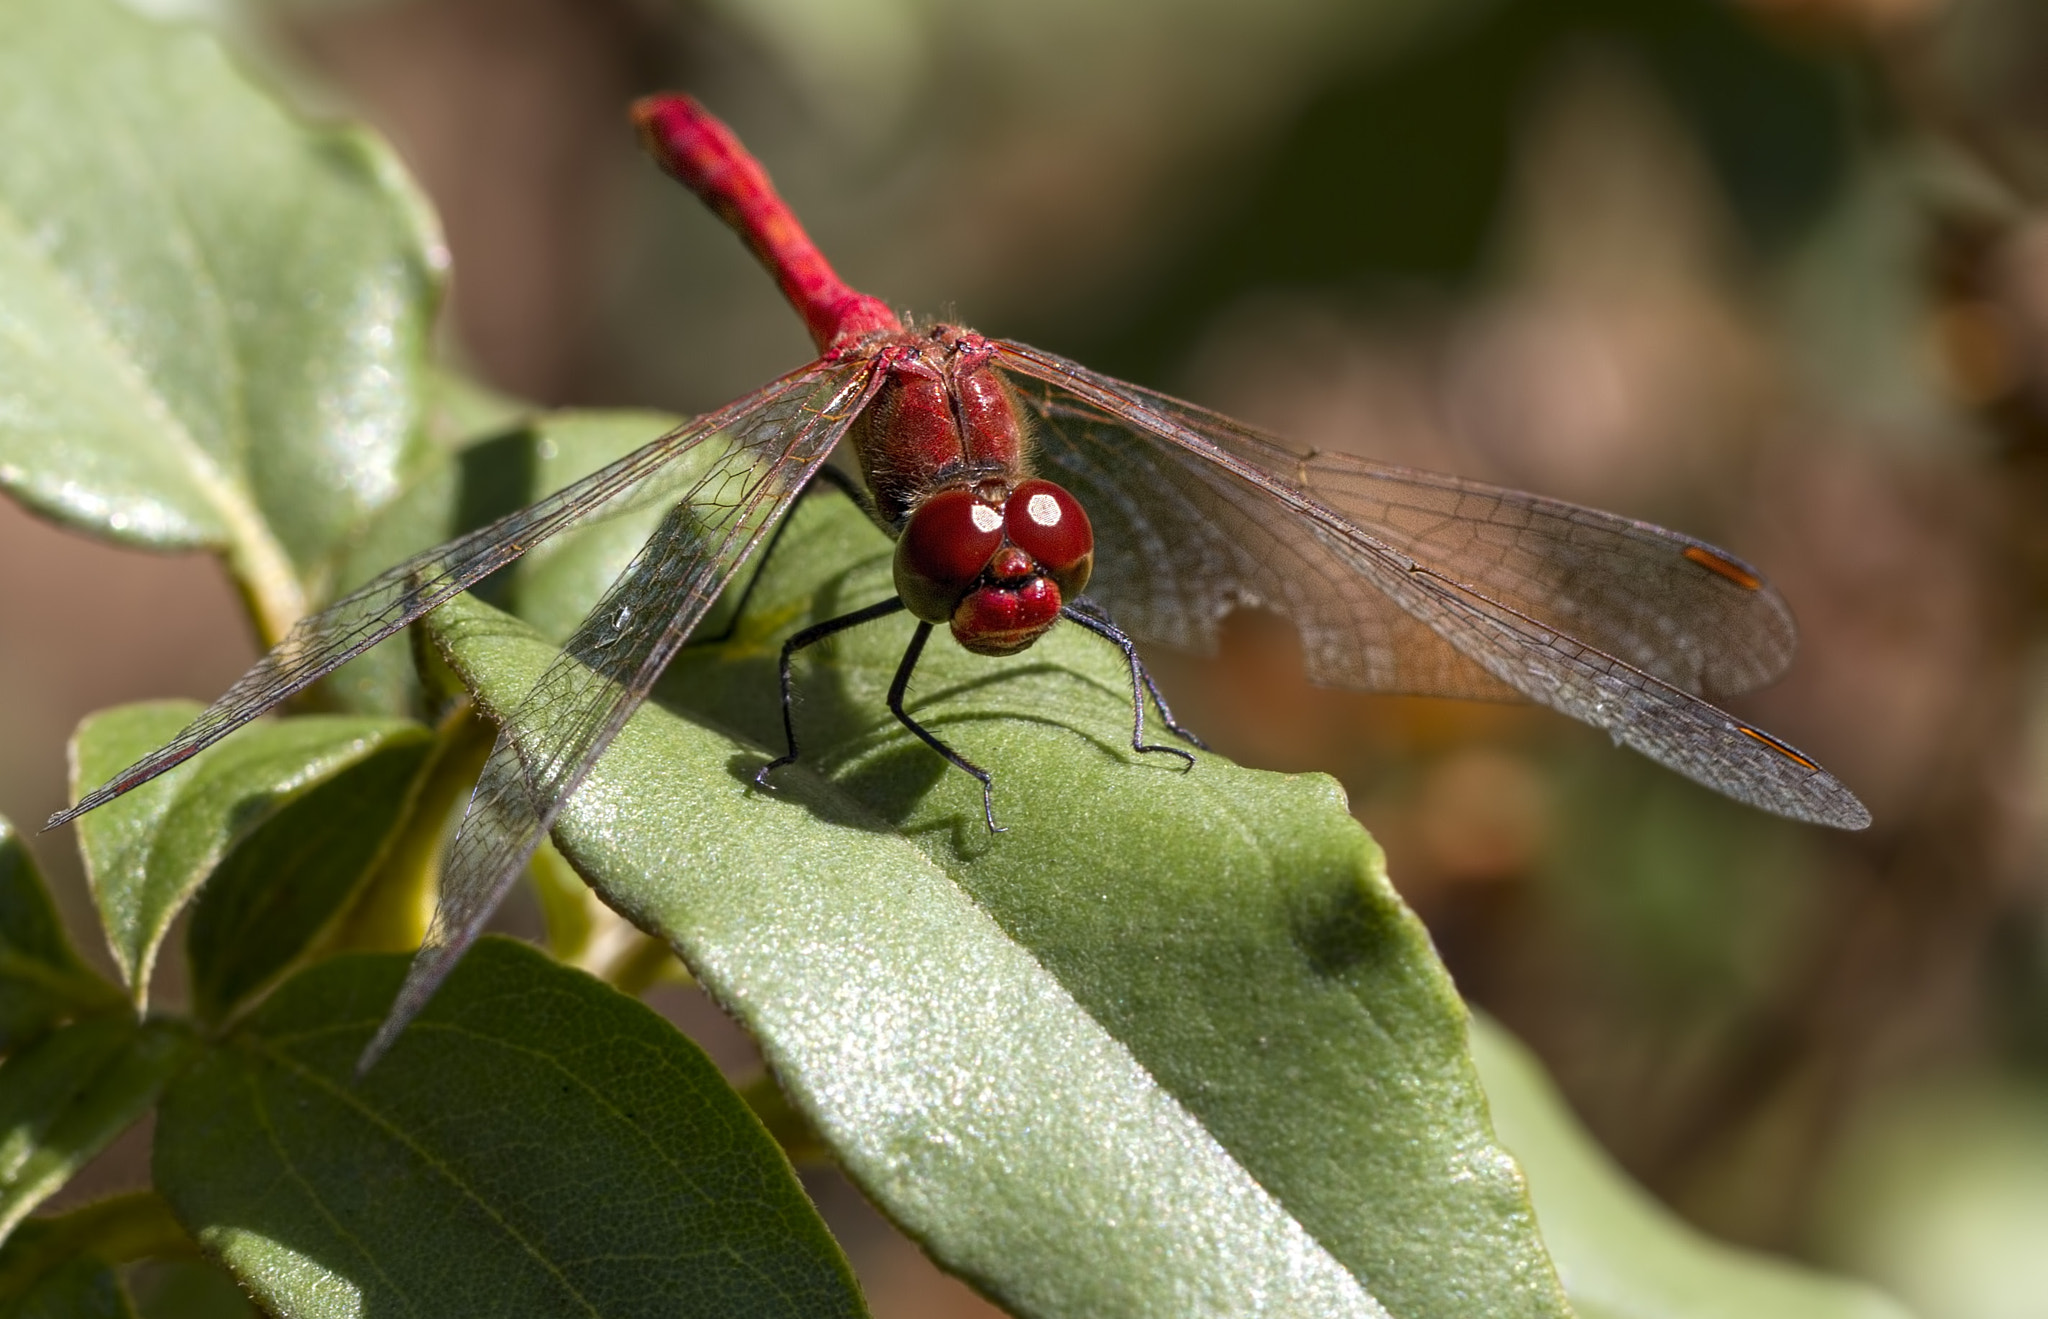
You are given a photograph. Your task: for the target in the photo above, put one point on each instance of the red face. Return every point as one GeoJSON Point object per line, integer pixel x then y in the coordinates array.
{"type": "Point", "coordinates": [994, 562]}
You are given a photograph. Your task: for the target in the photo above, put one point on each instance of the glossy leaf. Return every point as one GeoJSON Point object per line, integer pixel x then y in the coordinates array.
{"type": "Point", "coordinates": [536, 1144]}
{"type": "Point", "coordinates": [214, 313]}
{"type": "Point", "coordinates": [274, 894]}
{"type": "Point", "coordinates": [147, 853]}
{"type": "Point", "coordinates": [1170, 1045]}
{"type": "Point", "coordinates": [65, 1096]}
{"type": "Point", "coordinates": [42, 980]}
{"type": "Point", "coordinates": [1623, 1255]}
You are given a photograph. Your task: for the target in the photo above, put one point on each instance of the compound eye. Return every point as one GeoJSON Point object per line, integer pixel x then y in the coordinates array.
{"type": "Point", "coordinates": [1048, 524]}
{"type": "Point", "coordinates": [945, 545]}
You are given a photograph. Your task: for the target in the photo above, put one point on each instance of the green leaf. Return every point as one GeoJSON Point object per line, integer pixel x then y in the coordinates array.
{"type": "Point", "coordinates": [65, 1096]}
{"type": "Point", "coordinates": [1623, 1255]}
{"type": "Point", "coordinates": [148, 852]}
{"type": "Point", "coordinates": [484, 479]}
{"type": "Point", "coordinates": [279, 889]}
{"type": "Point", "coordinates": [188, 1289]}
{"type": "Point", "coordinates": [1938, 1189]}
{"type": "Point", "coordinates": [79, 1288]}
{"type": "Point", "coordinates": [536, 1144]}
{"type": "Point", "coordinates": [563, 578]}
{"type": "Point", "coordinates": [42, 980]}
{"type": "Point", "coordinates": [393, 910]}
{"type": "Point", "coordinates": [1170, 1045]}
{"type": "Point", "coordinates": [215, 314]}
{"type": "Point", "coordinates": [117, 1230]}
{"type": "Point", "coordinates": [455, 409]}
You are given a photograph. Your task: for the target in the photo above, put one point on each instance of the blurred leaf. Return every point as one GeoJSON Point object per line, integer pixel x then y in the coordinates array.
{"type": "Point", "coordinates": [148, 852]}
{"type": "Point", "coordinates": [1623, 1255]}
{"type": "Point", "coordinates": [784, 1122]}
{"type": "Point", "coordinates": [1939, 1192]}
{"type": "Point", "coordinates": [568, 908]}
{"type": "Point", "coordinates": [215, 315]}
{"type": "Point", "coordinates": [79, 1288]}
{"type": "Point", "coordinates": [1168, 1044]}
{"type": "Point", "coordinates": [394, 908]}
{"type": "Point", "coordinates": [278, 889]}
{"type": "Point", "coordinates": [42, 979]}
{"type": "Point", "coordinates": [188, 1289]}
{"type": "Point", "coordinates": [456, 409]}
{"type": "Point", "coordinates": [1692, 901]}
{"type": "Point", "coordinates": [586, 934]}
{"type": "Point", "coordinates": [534, 1144]}
{"type": "Point", "coordinates": [116, 1230]}
{"type": "Point", "coordinates": [65, 1096]}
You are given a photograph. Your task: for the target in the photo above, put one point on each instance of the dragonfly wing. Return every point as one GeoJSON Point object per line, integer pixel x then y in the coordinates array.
{"type": "Point", "coordinates": [322, 642]}
{"type": "Point", "coordinates": [549, 741]}
{"type": "Point", "coordinates": [1180, 543]}
{"type": "Point", "coordinates": [1673, 606]}
{"type": "Point", "coordinates": [1177, 487]}
{"type": "Point", "coordinates": [1671, 727]}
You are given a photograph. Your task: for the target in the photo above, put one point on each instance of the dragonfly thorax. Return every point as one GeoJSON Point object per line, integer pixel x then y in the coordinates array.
{"type": "Point", "coordinates": [994, 561]}
{"type": "Point", "coordinates": [941, 416]}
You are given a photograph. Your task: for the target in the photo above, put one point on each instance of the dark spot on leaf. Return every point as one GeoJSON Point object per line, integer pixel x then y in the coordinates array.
{"type": "Point", "coordinates": [1337, 927]}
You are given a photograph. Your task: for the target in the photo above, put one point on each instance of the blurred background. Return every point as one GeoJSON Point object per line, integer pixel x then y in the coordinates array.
{"type": "Point", "coordinates": [1773, 272]}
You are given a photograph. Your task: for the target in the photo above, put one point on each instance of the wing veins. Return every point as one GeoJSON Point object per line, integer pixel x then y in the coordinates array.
{"type": "Point", "coordinates": [550, 740]}
{"type": "Point", "coordinates": [1489, 629]}
{"type": "Point", "coordinates": [1638, 589]}
{"type": "Point", "coordinates": [322, 642]}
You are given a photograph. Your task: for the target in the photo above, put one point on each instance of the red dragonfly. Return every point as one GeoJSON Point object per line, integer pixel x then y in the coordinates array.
{"type": "Point", "coordinates": [1399, 580]}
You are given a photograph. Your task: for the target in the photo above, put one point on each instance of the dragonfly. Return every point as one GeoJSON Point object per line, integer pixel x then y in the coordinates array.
{"type": "Point", "coordinates": [1021, 490]}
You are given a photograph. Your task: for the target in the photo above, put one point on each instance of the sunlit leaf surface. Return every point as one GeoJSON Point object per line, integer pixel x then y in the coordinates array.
{"type": "Point", "coordinates": [1170, 1045]}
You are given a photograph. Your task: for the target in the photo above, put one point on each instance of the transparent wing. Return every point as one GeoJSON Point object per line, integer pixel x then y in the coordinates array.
{"type": "Point", "coordinates": [1671, 727]}
{"type": "Point", "coordinates": [1404, 581]}
{"type": "Point", "coordinates": [322, 642]}
{"type": "Point", "coordinates": [1679, 608]}
{"type": "Point", "coordinates": [548, 742]}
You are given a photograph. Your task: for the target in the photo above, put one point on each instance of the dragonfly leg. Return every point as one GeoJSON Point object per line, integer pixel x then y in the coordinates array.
{"type": "Point", "coordinates": [954, 758]}
{"type": "Point", "coordinates": [827, 475]}
{"type": "Point", "coordinates": [1089, 615]}
{"type": "Point", "coordinates": [811, 636]}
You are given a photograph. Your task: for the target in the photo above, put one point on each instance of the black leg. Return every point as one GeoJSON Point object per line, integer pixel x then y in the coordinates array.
{"type": "Point", "coordinates": [826, 475]}
{"type": "Point", "coordinates": [811, 636]}
{"type": "Point", "coordinates": [1088, 615]}
{"type": "Point", "coordinates": [896, 690]}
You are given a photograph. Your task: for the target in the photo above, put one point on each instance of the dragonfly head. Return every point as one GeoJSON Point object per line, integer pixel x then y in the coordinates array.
{"type": "Point", "coordinates": [994, 561]}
